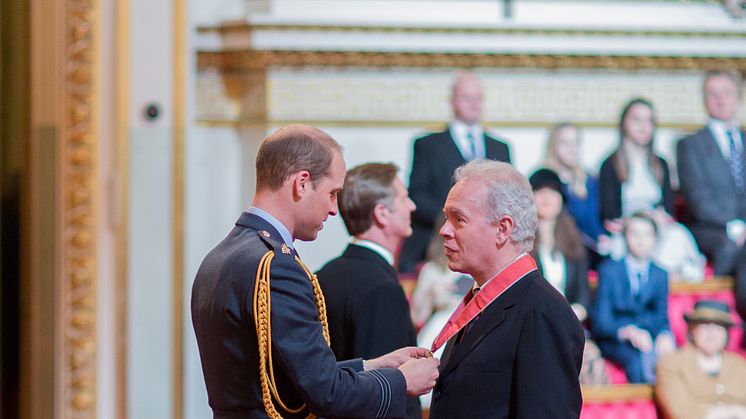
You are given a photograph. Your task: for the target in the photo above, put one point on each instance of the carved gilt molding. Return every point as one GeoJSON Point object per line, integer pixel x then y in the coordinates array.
{"type": "Point", "coordinates": [79, 219]}
{"type": "Point", "coordinates": [259, 60]}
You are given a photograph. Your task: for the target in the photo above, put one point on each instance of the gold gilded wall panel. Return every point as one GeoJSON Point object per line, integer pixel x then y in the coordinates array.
{"type": "Point", "coordinates": [79, 219]}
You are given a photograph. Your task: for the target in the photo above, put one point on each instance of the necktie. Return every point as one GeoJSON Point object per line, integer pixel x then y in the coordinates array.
{"type": "Point", "coordinates": [472, 151]}
{"type": "Point", "coordinates": [736, 162]}
{"type": "Point", "coordinates": [636, 284]}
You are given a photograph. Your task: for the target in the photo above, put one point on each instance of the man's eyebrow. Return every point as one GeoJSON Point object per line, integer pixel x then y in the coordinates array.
{"type": "Point", "coordinates": [454, 211]}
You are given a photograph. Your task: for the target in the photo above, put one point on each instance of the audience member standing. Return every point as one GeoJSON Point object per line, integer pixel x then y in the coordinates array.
{"type": "Point", "coordinates": [703, 380]}
{"type": "Point", "coordinates": [711, 173]}
{"type": "Point", "coordinates": [367, 310]}
{"type": "Point", "coordinates": [435, 158]}
{"type": "Point", "coordinates": [634, 179]}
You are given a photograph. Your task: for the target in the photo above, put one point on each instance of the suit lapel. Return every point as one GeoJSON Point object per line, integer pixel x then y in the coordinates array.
{"type": "Point", "coordinates": [714, 156]}
{"type": "Point", "coordinates": [491, 318]}
{"type": "Point", "coordinates": [454, 153]}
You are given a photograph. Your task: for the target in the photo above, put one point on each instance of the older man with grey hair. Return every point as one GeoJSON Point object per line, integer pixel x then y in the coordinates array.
{"type": "Point", "coordinates": [514, 346]}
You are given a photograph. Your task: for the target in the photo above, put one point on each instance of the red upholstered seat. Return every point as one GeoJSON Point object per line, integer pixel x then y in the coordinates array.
{"type": "Point", "coordinates": [640, 409]}
{"type": "Point", "coordinates": [621, 401]}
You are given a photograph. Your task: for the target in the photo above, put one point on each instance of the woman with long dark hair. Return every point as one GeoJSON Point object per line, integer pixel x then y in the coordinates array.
{"type": "Point", "coordinates": [635, 179]}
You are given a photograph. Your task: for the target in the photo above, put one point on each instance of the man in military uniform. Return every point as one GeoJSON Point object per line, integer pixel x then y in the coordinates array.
{"type": "Point", "coordinates": [259, 314]}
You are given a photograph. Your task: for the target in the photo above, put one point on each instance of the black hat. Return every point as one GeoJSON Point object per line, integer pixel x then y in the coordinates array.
{"type": "Point", "coordinates": [545, 178]}
{"type": "Point", "coordinates": [710, 311]}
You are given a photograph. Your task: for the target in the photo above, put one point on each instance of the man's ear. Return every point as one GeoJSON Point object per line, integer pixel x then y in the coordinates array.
{"type": "Point", "coordinates": [380, 215]}
{"type": "Point", "coordinates": [504, 229]}
{"type": "Point", "coordinates": [301, 184]}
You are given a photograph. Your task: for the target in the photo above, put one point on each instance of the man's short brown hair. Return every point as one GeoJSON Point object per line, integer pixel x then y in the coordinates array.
{"type": "Point", "coordinates": [365, 187]}
{"type": "Point", "coordinates": [291, 149]}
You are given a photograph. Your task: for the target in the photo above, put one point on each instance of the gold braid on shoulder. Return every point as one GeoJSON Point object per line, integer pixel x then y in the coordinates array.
{"type": "Point", "coordinates": [262, 317]}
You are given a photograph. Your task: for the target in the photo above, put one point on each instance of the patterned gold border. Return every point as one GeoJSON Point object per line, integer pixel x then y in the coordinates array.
{"type": "Point", "coordinates": [257, 60]}
{"type": "Point", "coordinates": [229, 27]}
{"type": "Point", "coordinates": [79, 218]}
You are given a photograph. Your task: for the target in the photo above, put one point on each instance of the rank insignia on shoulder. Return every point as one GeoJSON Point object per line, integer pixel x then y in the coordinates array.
{"type": "Point", "coordinates": [264, 233]}
{"type": "Point", "coordinates": [285, 249]}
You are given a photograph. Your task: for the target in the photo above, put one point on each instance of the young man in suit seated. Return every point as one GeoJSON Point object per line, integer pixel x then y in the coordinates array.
{"type": "Point", "coordinates": [630, 318]}
{"type": "Point", "coordinates": [514, 347]}
{"type": "Point", "coordinates": [367, 310]}
{"type": "Point", "coordinates": [259, 314]}
{"type": "Point", "coordinates": [435, 158]}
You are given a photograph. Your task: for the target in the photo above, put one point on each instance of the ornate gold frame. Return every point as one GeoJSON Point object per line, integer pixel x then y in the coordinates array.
{"type": "Point", "coordinates": [258, 60]}
{"type": "Point", "coordinates": [79, 139]}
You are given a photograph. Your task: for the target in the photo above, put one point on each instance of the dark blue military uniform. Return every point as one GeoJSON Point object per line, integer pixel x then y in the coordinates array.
{"type": "Point", "coordinates": [305, 369]}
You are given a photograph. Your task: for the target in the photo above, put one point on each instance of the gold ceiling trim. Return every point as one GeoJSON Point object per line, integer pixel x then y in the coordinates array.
{"type": "Point", "coordinates": [260, 60]}
{"type": "Point", "coordinates": [79, 218]}
{"type": "Point", "coordinates": [232, 27]}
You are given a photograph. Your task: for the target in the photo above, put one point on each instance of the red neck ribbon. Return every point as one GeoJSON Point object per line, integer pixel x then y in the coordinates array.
{"type": "Point", "coordinates": [466, 312]}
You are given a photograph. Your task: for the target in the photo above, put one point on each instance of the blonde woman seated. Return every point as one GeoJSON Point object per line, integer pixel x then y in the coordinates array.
{"type": "Point", "coordinates": [702, 380]}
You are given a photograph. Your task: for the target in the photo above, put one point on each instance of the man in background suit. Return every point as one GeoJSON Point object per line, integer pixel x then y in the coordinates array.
{"type": "Point", "coordinates": [259, 314]}
{"type": "Point", "coordinates": [435, 158]}
{"type": "Point", "coordinates": [711, 174]}
{"type": "Point", "coordinates": [515, 346]}
{"type": "Point", "coordinates": [366, 306]}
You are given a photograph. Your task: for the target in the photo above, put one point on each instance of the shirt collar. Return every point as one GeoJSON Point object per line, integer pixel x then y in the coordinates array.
{"type": "Point", "coordinates": [280, 227]}
{"type": "Point", "coordinates": [719, 129]}
{"type": "Point", "coordinates": [385, 253]}
{"type": "Point", "coordinates": [634, 266]}
{"type": "Point", "coordinates": [460, 129]}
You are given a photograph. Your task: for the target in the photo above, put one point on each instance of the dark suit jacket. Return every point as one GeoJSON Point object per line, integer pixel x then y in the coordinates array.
{"type": "Point", "coordinates": [436, 157]}
{"type": "Point", "coordinates": [616, 307]}
{"type": "Point", "coordinates": [611, 190]}
{"type": "Point", "coordinates": [305, 368]}
{"type": "Point", "coordinates": [520, 359]}
{"type": "Point", "coordinates": [367, 310]}
{"type": "Point", "coordinates": [712, 201]}
{"type": "Point", "coordinates": [706, 181]}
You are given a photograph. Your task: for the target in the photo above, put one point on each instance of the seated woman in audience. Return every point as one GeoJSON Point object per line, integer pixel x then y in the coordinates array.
{"type": "Point", "coordinates": [702, 380]}
{"type": "Point", "coordinates": [562, 260]}
{"type": "Point", "coordinates": [635, 179]}
{"type": "Point", "coordinates": [580, 189]}
{"type": "Point", "coordinates": [630, 317]}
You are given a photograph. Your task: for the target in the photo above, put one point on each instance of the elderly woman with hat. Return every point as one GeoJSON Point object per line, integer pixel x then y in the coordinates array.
{"type": "Point", "coordinates": [702, 380]}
